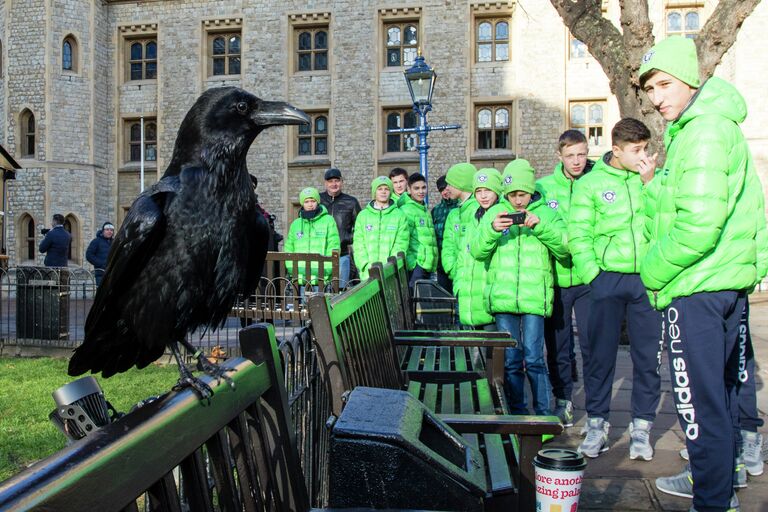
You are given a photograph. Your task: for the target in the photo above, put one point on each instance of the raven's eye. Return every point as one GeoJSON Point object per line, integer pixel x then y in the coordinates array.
{"type": "Point", "coordinates": [242, 107]}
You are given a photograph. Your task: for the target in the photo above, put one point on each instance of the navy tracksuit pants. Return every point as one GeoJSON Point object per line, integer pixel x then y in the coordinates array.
{"type": "Point", "coordinates": [615, 296]}
{"type": "Point", "coordinates": [558, 335]}
{"type": "Point", "coordinates": [749, 418]}
{"type": "Point", "coordinates": [702, 334]}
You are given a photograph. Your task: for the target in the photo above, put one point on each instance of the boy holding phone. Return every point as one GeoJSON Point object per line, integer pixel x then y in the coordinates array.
{"type": "Point", "coordinates": [515, 239]}
{"type": "Point", "coordinates": [605, 235]}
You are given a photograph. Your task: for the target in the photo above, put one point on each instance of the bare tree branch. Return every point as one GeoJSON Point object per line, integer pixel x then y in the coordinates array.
{"type": "Point", "coordinates": [719, 33]}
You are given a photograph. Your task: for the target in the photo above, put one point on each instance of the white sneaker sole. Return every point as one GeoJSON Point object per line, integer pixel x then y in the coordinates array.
{"type": "Point", "coordinates": [675, 493]}
{"type": "Point", "coordinates": [640, 456]}
{"type": "Point", "coordinates": [593, 456]}
{"type": "Point", "coordinates": [750, 473]}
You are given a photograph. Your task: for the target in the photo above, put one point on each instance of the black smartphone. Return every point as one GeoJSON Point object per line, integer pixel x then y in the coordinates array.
{"type": "Point", "coordinates": [516, 217]}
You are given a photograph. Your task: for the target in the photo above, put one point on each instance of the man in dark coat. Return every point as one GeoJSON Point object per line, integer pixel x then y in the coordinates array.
{"type": "Point", "coordinates": [98, 250]}
{"type": "Point", "coordinates": [55, 245]}
{"type": "Point", "coordinates": [344, 209]}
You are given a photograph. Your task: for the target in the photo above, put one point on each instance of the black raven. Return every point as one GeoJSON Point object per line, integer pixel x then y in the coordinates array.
{"type": "Point", "coordinates": [188, 245]}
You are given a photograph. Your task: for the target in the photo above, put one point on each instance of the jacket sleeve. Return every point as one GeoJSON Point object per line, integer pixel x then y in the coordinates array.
{"type": "Point", "coordinates": [650, 196]}
{"type": "Point", "coordinates": [46, 243]}
{"type": "Point", "coordinates": [552, 232]}
{"type": "Point", "coordinates": [290, 240]}
{"type": "Point", "coordinates": [701, 208]}
{"type": "Point", "coordinates": [333, 241]}
{"type": "Point", "coordinates": [90, 253]}
{"type": "Point", "coordinates": [449, 252]}
{"type": "Point", "coordinates": [360, 252]}
{"type": "Point", "coordinates": [483, 242]}
{"type": "Point", "coordinates": [403, 236]}
{"type": "Point", "coordinates": [581, 232]}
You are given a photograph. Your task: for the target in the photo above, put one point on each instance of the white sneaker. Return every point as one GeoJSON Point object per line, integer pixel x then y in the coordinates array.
{"type": "Point", "coordinates": [639, 439]}
{"type": "Point", "coordinates": [596, 441]}
{"type": "Point", "coordinates": [751, 450]}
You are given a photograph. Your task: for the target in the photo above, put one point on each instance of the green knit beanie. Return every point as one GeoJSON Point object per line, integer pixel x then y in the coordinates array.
{"type": "Point", "coordinates": [309, 193]}
{"type": "Point", "coordinates": [379, 181]}
{"type": "Point", "coordinates": [459, 176]}
{"type": "Point", "coordinates": [488, 178]}
{"type": "Point", "coordinates": [519, 175]}
{"type": "Point", "coordinates": [675, 55]}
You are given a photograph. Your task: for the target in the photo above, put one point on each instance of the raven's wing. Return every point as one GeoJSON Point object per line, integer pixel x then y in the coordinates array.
{"type": "Point", "coordinates": [108, 346]}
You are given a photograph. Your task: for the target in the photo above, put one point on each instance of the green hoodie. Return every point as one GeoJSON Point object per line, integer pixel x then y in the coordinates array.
{"type": "Point", "coordinates": [557, 190]}
{"type": "Point", "coordinates": [520, 279]}
{"type": "Point", "coordinates": [471, 276]}
{"type": "Point", "coordinates": [422, 248]}
{"type": "Point", "coordinates": [317, 235]}
{"type": "Point", "coordinates": [378, 235]}
{"type": "Point", "coordinates": [704, 213]}
{"type": "Point", "coordinates": [605, 224]}
{"type": "Point", "coordinates": [454, 238]}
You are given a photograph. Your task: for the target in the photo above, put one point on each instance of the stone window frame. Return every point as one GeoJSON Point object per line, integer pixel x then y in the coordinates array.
{"type": "Point", "coordinates": [495, 108]}
{"type": "Point", "coordinates": [27, 241]}
{"type": "Point", "coordinates": [482, 12]}
{"type": "Point", "coordinates": [402, 17]}
{"type": "Point", "coordinates": [403, 112]}
{"type": "Point", "coordinates": [227, 28]}
{"type": "Point", "coordinates": [129, 143]}
{"type": "Point", "coordinates": [683, 9]}
{"type": "Point", "coordinates": [311, 134]}
{"type": "Point", "coordinates": [72, 226]}
{"type": "Point", "coordinates": [148, 65]}
{"type": "Point", "coordinates": [593, 129]}
{"type": "Point", "coordinates": [313, 23]}
{"type": "Point", "coordinates": [312, 159]}
{"type": "Point", "coordinates": [137, 32]}
{"type": "Point", "coordinates": [494, 42]}
{"type": "Point", "coordinates": [27, 141]}
{"type": "Point", "coordinates": [74, 64]}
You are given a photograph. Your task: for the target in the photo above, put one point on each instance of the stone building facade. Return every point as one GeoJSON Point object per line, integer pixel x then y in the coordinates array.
{"type": "Point", "coordinates": [85, 73]}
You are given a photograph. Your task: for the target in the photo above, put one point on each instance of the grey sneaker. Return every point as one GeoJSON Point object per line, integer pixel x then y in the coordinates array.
{"type": "Point", "coordinates": [596, 441]}
{"type": "Point", "coordinates": [678, 485]}
{"type": "Point", "coordinates": [751, 451]}
{"type": "Point", "coordinates": [564, 412]}
{"type": "Point", "coordinates": [639, 439]}
{"type": "Point", "coordinates": [740, 478]}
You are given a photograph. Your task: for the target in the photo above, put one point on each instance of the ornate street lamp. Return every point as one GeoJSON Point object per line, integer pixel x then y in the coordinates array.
{"type": "Point", "coordinates": [421, 83]}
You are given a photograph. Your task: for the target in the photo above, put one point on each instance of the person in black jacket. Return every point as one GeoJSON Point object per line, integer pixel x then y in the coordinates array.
{"type": "Point", "coordinates": [55, 245]}
{"type": "Point", "coordinates": [344, 209]}
{"type": "Point", "coordinates": [98, 250]}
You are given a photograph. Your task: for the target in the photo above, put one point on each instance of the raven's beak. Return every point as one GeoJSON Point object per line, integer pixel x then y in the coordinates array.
{"type": "Point", "coordinates": [273, 113]}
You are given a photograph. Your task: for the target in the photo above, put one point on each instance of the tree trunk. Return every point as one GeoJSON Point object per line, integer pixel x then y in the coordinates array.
{"type": "Point", "coordinates": [620, 52]}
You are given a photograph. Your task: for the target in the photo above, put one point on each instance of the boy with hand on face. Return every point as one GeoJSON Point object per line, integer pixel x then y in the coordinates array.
{"type": "Point", "coordinates": [606, 239]}
{"type": "Point", "coordinates": [570, 291]}
{"type": "Point", "coordinates": [421, 258]}
{"type": "Point", "coordinates": [314, 231]}
{"type": "Point", "coordinates": [515, 240]}
{"type": "Point", "coordinates": [706, 229]}
{"type": "Point", "coordinates": [381, 228]}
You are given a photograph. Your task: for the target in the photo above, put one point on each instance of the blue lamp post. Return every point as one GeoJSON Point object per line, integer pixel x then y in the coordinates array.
{"type": "Point", "coordinates": [421, 83]}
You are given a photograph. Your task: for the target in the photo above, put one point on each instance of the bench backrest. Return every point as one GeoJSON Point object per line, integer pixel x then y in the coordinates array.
{"type": "Point", "coordinates": [243, 434]}
{"type": "Point", "coordinates": [355, 324]}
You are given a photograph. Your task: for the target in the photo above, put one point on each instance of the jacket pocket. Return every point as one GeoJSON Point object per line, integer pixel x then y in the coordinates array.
{"type": "Point", "coordinates": [605, 251]}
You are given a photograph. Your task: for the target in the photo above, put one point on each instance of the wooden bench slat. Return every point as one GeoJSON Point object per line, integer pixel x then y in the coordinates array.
{"type": "Point", "coordinates": [430, 397]}
{"type": "Point", "coordinates": [447, 399]}
{"type": "Point", "coordinates": [445, 359]}
{"type": "Point", "coordinates": [429, 359]}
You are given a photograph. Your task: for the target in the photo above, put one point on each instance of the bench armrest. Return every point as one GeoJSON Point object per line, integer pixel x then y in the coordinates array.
{"type": "Point", "coordinates": [503, 424]}
{"type": "Point", "coordinates": [464, 341]}
{"type": "Point", "coordinates": [425, 333]}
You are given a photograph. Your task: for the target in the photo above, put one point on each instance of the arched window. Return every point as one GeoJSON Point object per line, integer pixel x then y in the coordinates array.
{"type": "Point", "coordinates": [224, 54]}
{"type": "Point", "coordinates": [587, 117]}
{"type": "Point", "coordinates": [69, 54]}
{"type": "Point", "coordinates": [683, 22]}
{"type": "Point", "coordinates": [399, 142]}
{"type": "Point", "coordinates": [492, 40]}
{"type": "Point", "coordinates": [142, 59]}
{"type": "Point", "coordinates": [150, 141]}
{"type": "Point", "coordinates": [313, 137]}
{"type": "Point", "coordinates": [26, 239]}
{"type": "Point", "coordinates": [401, 41]}
{"type": "Point", "coordinates": [493, 127]}
{"type": "Point", "coordinates": [72, 226]}
{"type": "Point", "coordinates": [312, 49]}
{"type": "Point", "coordinates": [27, 130]}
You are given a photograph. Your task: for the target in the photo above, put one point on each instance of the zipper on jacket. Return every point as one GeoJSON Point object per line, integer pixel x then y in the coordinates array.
{"type": "Point", "coordinates": [631, 222]}
{"type": "Point", "coordinates": [570, 267]}
{"type": "Point", "coordinates": [519, 249]}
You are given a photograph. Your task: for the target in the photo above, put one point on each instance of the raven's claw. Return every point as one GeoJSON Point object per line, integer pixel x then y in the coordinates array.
{"type": "Point", "coordinates": [187, 380]}
{"type": "Point", "coordinates": [215, 371]}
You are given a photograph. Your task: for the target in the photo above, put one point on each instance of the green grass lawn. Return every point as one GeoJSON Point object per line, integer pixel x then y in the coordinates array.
{"type": "Point", "coordinates": [26, 384]}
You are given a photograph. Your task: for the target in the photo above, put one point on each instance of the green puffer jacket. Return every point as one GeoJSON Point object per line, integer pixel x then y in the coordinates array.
{"type": "Point", "coordinates": [473, 277]}
{"type": "Point", "coordinates": [704, 209]}
{"type": "Point", "coordinates": [520, 279]}
{"type": "Point", "coordinates": [605, 224]}
{"type": "Point", "coordinates": [422, 248]}
{"type": "Point", "coordinates": [317, 235]}
{"type": "Point", "coordinates": [453, 238]}
{"type": "Point", "coordinates": [557, 190]}
{"type": "Point", "coordinates": [378, 235]}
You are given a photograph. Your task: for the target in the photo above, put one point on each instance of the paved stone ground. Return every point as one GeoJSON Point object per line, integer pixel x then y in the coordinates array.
{"type": "Point", "coordinates": [616, 483]}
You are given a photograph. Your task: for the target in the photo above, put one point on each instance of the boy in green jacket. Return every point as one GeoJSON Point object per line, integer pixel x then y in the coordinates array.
{"type": "Point", "coordinates": [570, 291]}
{"type": "Point", "coordinates": [704, 224]}
{"type": "Point", "coordinates": [607, 244]}
{"type": "Point", "coordinates": [421, 258]}
{"type": "Point", "coordinates": [381, 229]}
{"type": "Point", "coordinates": [518, 286]}
{"type": "Point", "coordinates": [314, 231]}
{"type": "Point", "coordinates": [459, 187]}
